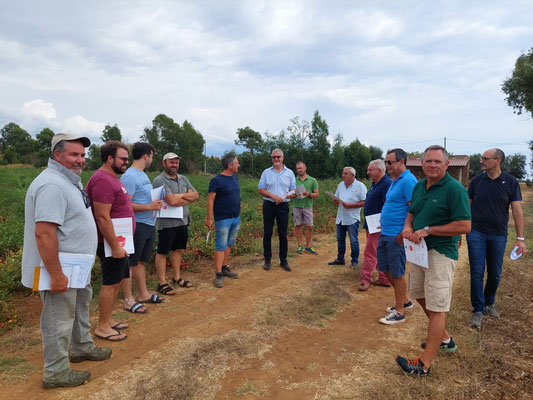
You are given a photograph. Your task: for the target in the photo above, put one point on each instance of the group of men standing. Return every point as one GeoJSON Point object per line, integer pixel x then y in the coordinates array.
{"type": "Point", "coordinates": [63, 218]}
{"type": "Point", "coordinates": [436, 209]}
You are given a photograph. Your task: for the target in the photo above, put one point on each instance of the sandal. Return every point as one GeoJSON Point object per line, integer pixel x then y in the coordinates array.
{"type": "Point", "coordinates": [155, 299]}
{"type": "Point", "coordinates": [166, 289]}
{"type": "Point", "coordinates": [135, 309]}
{"type": "Point", "coordinates": [182, 283]}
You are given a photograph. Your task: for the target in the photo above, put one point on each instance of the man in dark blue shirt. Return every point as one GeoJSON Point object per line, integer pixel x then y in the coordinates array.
{"type": "Point", "coordinates": [224, 201]}
{"type": "Point", "coordinates": [491, 193]}
{"type": "Point", "coordinates": [375, 198]}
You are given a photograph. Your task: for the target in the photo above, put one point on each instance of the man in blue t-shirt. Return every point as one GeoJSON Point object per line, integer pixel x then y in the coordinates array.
{"type": "Point", "coordinates": [491, 193]}
{"type": "Point", "coordinates": [391, 254]}
{"type": "Point", "coordinates": [224, 202]}
{"type": "Point", "coordinates": [139, 188]}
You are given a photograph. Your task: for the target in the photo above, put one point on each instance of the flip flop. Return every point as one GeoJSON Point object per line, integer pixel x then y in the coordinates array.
{"type": "Point", "coordinates": [134, 309]}
{"type": "Point", "coordinates": [111, 336]}
{"type": "Point", "coordinates": [155, 299]}
{"type": "Point", "coordinates": [120, 325]}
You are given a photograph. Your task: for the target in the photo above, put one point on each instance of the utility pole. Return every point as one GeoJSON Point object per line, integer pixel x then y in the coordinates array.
{"type": "Point", "coordinates": [205, 157]}
{"type": "Point", "coordinates": [444, 142]}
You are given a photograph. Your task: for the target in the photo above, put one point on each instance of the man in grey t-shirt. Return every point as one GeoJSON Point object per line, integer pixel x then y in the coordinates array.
{"type": "Point", "coordinates": [58, 219]}
{"type": "Point", "coordinates": [173, 232]}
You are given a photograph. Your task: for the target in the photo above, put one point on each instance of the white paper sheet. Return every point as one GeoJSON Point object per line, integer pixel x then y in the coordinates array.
{"type": "Point", "coordinates": [168, 211]}
{"type": "Point", "coordinates": [300, 190]}
{"type": "Point", "coordinates": [77, 268]}
{"type": "Point", "coordinates": [416, 253]}
{"type": "Point", "coordinates": [373, 222]}
{"type": "Point", "coordinates": [124, 232]}
{"type": "Point", "coordinates": [289, 193]}
{"type": "Point", "coordinates": [158, 194]}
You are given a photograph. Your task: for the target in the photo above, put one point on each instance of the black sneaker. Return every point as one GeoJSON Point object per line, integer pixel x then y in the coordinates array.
{"type": "Point", "coordinates": [285, 266]}
{"type": "Point", "coordinates": [336, 262]}
{"type": "Point", "coordinates": [446, 347]}
{"type": "Point", "coordinates": [219, 280]}
{"type": "Point", "coordinates": [415, 366]}
{"type": "Point", "coordinates": [266, 267]}
{"type": "Point", "coordinates": [226, 272]}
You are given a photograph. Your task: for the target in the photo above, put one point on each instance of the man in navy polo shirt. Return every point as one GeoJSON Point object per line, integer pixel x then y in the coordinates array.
{"type": "Point", "coordinates": [391, 254]}
{"type": "Point", "coordinates": [375, 198]}
{"type": "Point", "coordinates": [224, 201]}
{"type": "Point", "coordinates": [490, 194]}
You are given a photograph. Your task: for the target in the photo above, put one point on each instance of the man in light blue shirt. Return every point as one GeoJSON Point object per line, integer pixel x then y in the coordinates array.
{"type": "Point", "coordinates": [139, 188]}
{"type": "Point", "coordinates": [390, 252]}
{"type": "Point", "coordinates": [350, 198]}
{"type": "Point", "coordinates": [274, 185]}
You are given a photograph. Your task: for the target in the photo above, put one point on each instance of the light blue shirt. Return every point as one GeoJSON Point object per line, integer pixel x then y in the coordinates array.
{"type": "Point", "coordinates": [140, 188]}
{"type": "Point", "coordinates": [396, 204]}
{"type": "Point", "coordinates": [278, 183]}
{"type": "Point", "coordinates": [354, 193]}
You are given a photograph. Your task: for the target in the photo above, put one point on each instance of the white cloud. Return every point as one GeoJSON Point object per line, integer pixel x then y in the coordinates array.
{"type": "Point", "coordinates": [81, 125]}
{"type": "Point", "coordinates": [38, 109]}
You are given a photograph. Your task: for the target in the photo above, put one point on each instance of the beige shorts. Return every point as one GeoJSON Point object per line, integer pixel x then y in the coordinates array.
{"type": "Point", "coordinates": [302, 216]}
{"type": "Point", "coordinates": [433, 283]}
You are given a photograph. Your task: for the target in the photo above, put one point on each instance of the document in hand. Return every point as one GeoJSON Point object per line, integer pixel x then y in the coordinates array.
{"type": "Point", "coordinates": [77, 268]}
{"type": "Point", "coordinates": [300, 191]}
{"type": "Point", "coordinates": [158, 194]}
{"type": "Point", "coordinates": [373, 222]}
{"type": "Point", "coordinates": [289, 193]}
{"type": "Point", "coordinates": [168, 211]}
{"type": "Point", "coordinates": [416, 253]}
{"type": "Point", "coordinates": [124, 232]}
{"type": "Point", "coordinates": [333, 197]}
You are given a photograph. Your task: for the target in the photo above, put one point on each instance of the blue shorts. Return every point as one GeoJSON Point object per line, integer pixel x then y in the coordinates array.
{"type": "Point", "coordinates": [227, 230]}
{"type": "Point", "coordinates": [391, 256]}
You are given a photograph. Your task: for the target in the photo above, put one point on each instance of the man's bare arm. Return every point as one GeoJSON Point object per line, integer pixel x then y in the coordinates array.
{"type": "Point", "coordinates": [518, 217]}
{"type": "Point", "coordinates": [153, 206]}
{"type": "Point", "coordinates": [210, 203]}
{"type": "Point", "coordinates": [454, 228]}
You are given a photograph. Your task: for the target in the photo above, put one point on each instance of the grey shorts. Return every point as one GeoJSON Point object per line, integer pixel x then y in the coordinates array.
{"type": "Point", "coordinates": [302, 216]}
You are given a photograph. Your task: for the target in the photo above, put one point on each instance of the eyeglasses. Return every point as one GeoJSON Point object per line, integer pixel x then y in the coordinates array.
{"type": "Point", "coordinates": [389, 162]}
{"type": "Point", "coordinates": [488, 158]}
{"type": "Point", "coordinates": [86, 199]}
{"type": "Point", "coordinates": [124, 159]}
{"type": "Point", "coordinates": [277, 156]}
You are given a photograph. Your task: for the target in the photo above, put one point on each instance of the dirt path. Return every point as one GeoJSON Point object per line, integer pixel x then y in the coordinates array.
{"type": "Point", "coordinates": [258, 336]}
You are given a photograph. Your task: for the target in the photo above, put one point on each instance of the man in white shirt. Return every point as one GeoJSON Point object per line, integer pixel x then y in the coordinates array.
{"type": "Point", "coordinates": [349, 198]}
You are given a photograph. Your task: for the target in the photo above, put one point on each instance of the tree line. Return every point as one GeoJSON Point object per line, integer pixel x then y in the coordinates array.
{"type": "Point", "coordinates": [300, 141]}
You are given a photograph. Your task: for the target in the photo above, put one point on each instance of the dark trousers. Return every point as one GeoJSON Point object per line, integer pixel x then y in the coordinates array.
{"type": "Point", "coordinates": [280, 213]}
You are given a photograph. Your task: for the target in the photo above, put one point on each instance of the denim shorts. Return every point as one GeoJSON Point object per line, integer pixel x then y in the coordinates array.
{"type": "Point", "coordinates": [391, 256]}
{"type": "Point", "coordinates": [227, 230]}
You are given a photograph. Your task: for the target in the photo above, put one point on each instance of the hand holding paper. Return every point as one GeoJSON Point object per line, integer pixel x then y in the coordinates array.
{"type": "Point", "coordinates": [416, 253]}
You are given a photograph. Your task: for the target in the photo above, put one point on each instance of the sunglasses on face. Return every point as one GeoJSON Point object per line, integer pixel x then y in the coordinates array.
{"type": "Point", "coordinates": [124, 159]}
{"type": "Point", "coordinates": [277, 156]}
{"type": "Point", "coordinates": [487, 158]}
{"type": "Point", "coordinates": [389, 162]}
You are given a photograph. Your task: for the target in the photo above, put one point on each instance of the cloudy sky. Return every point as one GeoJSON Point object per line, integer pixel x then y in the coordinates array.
{"type": "Point", "coordinates": [391, 73]}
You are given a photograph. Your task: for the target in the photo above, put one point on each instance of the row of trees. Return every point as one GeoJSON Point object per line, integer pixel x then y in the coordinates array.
{"type": "Point", "coordinates": [300, 141]}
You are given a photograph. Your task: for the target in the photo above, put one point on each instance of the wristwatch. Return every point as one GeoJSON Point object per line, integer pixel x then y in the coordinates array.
{"type": "Point", "coordinates": [426, 228]}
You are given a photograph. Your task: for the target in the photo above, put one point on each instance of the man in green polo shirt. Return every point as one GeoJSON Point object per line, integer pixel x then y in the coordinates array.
{"type": "Point", "coordinates": [439, 213]}
{"type": "Point", "coordinates": [302, 212]}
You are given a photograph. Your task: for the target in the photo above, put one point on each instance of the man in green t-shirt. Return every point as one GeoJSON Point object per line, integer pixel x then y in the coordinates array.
{"type": "Point", "coordinates": [302, 212]}
{"type": "Point", "coordinates": [439, 213]}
